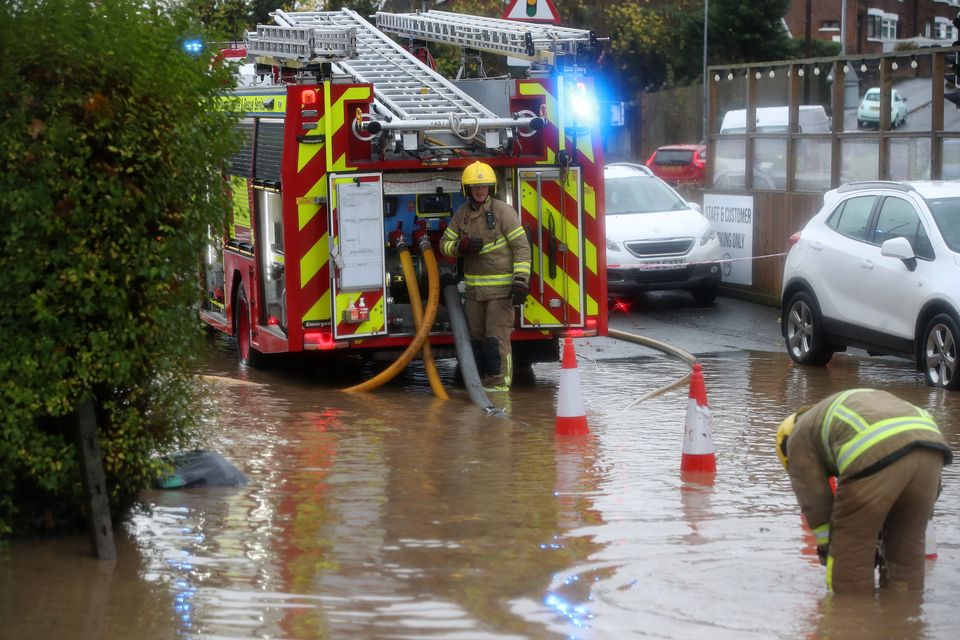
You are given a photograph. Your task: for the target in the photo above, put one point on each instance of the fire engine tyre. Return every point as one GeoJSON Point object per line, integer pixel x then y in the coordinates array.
{"type": "Point", "coordinates": [249, 356]}
{"type": "Point", "coordinates": [939, 352]}
{"type": "Point", "coordinates": [803, 332]}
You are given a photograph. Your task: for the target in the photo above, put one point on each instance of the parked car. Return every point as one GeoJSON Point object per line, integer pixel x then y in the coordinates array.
{"type": "Point", "coordinates": [868, 113]}
{"type": "Point", "coordinates": [679, 163]}
{"type": "Point", "coordinates": [878, 267]}
{"type": "Point", "coordinates": [655, 239]}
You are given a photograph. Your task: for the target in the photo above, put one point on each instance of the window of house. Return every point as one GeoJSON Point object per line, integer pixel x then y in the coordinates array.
{"type": "Point", "coordinates": [829, 25]}
{"type": "Point", "coordinates": [874, 25]}
{"type": "Point", "coordinates": [888, 27]}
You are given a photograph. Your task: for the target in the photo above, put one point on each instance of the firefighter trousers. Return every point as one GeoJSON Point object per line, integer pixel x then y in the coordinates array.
{"type": "Point", "coordinates": [895, 502]}
{"type": "Point", "coordinates": [491, 324]}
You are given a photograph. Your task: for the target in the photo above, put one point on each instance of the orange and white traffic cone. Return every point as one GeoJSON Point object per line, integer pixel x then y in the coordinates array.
{"type": "Point", "coordinates": [698, 455]}
{"type": "Point", "coordinates": [571, 418]}
{"type": "Point", "coordinates": [930, 553]}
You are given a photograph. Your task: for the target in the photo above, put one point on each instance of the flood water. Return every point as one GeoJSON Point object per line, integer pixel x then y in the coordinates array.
{"type": "Point", "coordinates": [395, 515]}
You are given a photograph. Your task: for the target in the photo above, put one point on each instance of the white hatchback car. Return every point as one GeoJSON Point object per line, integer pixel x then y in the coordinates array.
{"type": "Point", "coordinates": [655, 239]}
{"type": "Point", "coordinates": [878, 267]}
{"type": "Point", "coordinates": [868, 113]}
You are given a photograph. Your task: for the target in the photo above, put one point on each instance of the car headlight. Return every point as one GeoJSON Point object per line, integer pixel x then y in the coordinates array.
{"type": "Point", "coordinates": [612, 246]}
{"type": "Point", "coordinates": [707, 236]}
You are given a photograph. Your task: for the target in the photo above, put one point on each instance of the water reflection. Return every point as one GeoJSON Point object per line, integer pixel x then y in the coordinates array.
{"type": "Point", "coordinates": [393, 514]}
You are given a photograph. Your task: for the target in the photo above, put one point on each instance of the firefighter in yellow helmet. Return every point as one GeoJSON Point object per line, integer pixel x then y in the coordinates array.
{"type": "Point", "coordinates": [887, 456]}
{"type": "Point", "coordinates": [486, 232]}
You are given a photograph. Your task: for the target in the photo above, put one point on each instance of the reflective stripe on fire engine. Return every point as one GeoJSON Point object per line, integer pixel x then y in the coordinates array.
{"type": "Point", "coordinates": [535, 88]}
{"type": "Point", "coordinates": [338, 116]}
{"type": "Point", "coordinates": [240, 226]}
{"type": "Point", "coordinates": [495, 280]}
{"type": "Point", "coordinates": [314, 260]}
{"type": "Point", "coordinates": [320, 309]}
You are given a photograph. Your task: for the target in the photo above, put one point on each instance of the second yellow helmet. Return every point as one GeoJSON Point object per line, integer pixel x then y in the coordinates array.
{"type": "Point", "coordinates": [783, 432]}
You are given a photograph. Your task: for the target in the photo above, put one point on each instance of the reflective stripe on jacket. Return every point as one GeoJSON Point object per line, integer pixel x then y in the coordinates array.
{"type": "Point", "coordinates": [505, 255]}
{"type": "Point", "coordinates": [852, 434]}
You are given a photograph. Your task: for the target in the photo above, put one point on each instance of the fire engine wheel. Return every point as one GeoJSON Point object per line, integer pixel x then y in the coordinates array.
{"type": "Point", "coordinates": [248, 355]}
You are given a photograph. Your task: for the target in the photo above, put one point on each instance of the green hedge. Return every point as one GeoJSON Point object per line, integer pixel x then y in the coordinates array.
{"type": "Point", "coordinates": [109, 146]}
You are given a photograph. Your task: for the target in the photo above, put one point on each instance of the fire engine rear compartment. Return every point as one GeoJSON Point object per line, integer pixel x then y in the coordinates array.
{"type": "Point", "coordinates": [309, 261]}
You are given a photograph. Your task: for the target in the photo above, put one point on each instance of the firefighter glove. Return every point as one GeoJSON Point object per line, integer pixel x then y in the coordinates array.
{"type": "Point", "coordinates": [822, 552]}
{"type": "Point", "coordinates": [470, 246]}
{"type": "Point", "coordinates": [519, 292]}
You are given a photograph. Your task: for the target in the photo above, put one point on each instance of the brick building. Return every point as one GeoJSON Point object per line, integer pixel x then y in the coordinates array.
{"type": "Point", "coordinates": [876, 26]}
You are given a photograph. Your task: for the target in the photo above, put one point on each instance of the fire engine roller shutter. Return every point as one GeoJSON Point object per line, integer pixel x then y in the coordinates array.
{"type": "Point", "coordinates": [269, 150]}
{"type": "Point", "coordinates": [358, 276]}
{"type": "Point", "coordinates": [551, 212]}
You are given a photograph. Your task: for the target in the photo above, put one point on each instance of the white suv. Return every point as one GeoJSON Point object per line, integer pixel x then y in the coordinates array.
{"type": "Point", "coordinates": [878, 267]}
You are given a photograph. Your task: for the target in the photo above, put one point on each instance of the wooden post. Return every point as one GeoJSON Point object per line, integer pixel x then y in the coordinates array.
{"type": "Point", "coordinates": [94, 484]}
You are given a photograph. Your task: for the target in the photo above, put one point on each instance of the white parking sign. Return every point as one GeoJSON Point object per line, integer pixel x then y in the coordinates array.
{"type": "Point", "coordinates": [732, 218]}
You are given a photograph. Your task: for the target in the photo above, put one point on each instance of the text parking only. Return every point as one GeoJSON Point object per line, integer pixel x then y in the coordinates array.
{"type": "Point", "coordinates": [732, 218]}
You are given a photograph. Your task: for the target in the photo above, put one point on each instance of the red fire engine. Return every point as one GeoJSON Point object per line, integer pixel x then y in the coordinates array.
{"type": "Point", "coordinates": [351, 143]}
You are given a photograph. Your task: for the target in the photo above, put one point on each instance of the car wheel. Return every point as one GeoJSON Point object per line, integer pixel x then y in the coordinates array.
{"type": "Point", "coordinates": [705, 294]}
{"type": "Point", "coordinates": [861, 124]}
{"type": "Point", "coordinates": [939, 355]}
{"type": "Point", "coordinates": [249, 356]}
{"type": "Point", "coordinates": [803, 333]}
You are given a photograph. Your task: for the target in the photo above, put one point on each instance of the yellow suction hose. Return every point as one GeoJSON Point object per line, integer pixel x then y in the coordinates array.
{"type": "Point", "coordinates": [416, 305]}
{"type": "Point", "coordinates": [433, 301]}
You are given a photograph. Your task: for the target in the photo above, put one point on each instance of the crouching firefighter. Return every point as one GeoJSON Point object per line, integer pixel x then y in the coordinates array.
{"type": "Point", "coordinates": [887, 456]}
{"type": "Point", "coordinates": [486, 232]}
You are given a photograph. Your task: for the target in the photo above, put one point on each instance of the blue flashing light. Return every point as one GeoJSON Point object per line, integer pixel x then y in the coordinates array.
{"type": "Point", "coordinates": [582, 105]}
{"type": "Point", "coordinates": [194, 46]}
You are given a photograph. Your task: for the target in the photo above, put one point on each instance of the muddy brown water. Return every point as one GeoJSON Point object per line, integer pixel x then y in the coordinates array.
{"type": "Point", "coordinates": [396, 515]}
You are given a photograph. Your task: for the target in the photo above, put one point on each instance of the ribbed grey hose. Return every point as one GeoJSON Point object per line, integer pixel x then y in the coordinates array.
{"type": "Point", "coordinates": [461, 340]}
{"type": "Point", "coordinates": [660, 346]}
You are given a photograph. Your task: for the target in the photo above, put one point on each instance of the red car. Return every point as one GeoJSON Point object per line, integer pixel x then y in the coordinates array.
{"type": "Point", "coordinates": [679, 163]}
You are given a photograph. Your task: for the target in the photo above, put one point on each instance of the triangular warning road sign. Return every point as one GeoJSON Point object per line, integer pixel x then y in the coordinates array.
{"type": "Point", "coordinates": [532, 11]}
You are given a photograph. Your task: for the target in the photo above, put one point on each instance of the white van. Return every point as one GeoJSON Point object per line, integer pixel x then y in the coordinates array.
{"type": "Point", "coordinates": [813, 119]}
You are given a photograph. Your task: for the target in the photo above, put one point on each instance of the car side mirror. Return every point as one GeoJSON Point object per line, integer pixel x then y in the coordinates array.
{"type": "Point", "coordinates": [696, 207]}
{"type": "Point", "coordinates": [900, 248]}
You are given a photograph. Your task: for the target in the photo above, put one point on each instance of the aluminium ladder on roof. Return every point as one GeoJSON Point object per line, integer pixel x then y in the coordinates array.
{"type": "Point", "coordinates": [405, 86]}
{"type": "Point", "coordinates": [304, 44]}
{"type": "Point", "coordinates": [535, 42]}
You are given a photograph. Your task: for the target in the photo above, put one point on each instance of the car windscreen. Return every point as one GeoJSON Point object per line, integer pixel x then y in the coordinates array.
{"type": "Point", "coordinates": [673, 157]}
{"type": "Point", "coordinates": [637, 194]}
{"type": "Point", "coordinates": [946, 213]}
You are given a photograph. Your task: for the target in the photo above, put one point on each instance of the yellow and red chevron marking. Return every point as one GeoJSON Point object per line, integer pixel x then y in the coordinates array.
{"type": "Point", "coordinates": [561, 223]}
{"type": "Point", "coordinates": [314, 161]}
{"type": "Point", "coordinates": [588, 151]}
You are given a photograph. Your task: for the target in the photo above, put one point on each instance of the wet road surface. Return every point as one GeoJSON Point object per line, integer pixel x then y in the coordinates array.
{"type": "Point", "coordinates": [395, 515]}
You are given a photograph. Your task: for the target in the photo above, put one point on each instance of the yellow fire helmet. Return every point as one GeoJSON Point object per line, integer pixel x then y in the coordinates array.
{"type": "Point", "coordinates": [786, 428]}
{"type": "Point", "coordinates": [478, 174]}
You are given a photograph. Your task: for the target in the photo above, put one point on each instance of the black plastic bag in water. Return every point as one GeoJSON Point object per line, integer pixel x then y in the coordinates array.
{"type": "Point", "coordinates": [200, 468]}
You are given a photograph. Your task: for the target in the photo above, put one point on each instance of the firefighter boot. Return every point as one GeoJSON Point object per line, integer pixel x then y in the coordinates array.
{"type": "Point", "coordinates": [498, 366]}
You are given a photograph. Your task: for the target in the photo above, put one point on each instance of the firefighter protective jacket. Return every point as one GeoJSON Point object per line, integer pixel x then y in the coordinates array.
{"type": "Point", "coordinates": [505, 255]}
{"type": "Point", "coordinates": [852, 434]}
